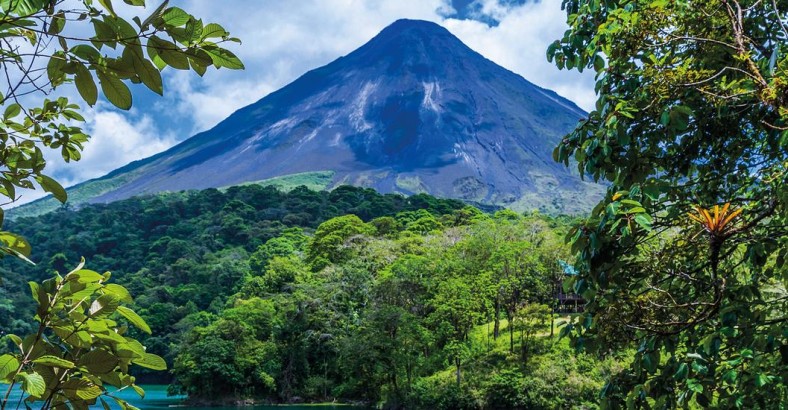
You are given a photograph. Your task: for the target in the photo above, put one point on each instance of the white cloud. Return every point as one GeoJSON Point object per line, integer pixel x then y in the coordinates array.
{"type": "Point", "coordinates": [116, 139]}
{"type": "Point", "coordinates": [520, 42]}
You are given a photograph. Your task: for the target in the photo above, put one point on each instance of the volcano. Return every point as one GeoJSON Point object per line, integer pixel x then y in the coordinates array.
{"type": "Point", "coordinates": [413, 110]}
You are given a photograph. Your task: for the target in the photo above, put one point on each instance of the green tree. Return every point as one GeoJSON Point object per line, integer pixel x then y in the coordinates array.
{"type": "Point", "coordinates": [329, 244]}
{"type": "Point", "coordinates": [531, 320]}
{"type": "Point", "coordinates": [691, 114]}
{"type": "Point", "coordinates": [518, 277]}
{"type": "Point", "coordinates": [457, 309]}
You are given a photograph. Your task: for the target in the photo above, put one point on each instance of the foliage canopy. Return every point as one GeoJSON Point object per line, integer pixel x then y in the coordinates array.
{"type": "Point", "coordinates": [692, 113]}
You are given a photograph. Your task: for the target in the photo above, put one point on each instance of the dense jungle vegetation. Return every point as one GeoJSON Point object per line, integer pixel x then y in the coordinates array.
{"type": "Point", "coordinates": [351, 295]}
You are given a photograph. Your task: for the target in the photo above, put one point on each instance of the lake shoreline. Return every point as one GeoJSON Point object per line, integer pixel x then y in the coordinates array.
{"type": "Point", "coordinates": [238, 402]}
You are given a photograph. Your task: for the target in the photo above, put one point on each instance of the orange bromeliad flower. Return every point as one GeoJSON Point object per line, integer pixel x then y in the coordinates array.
{"type": "Point", "coordinates": [717, 224]}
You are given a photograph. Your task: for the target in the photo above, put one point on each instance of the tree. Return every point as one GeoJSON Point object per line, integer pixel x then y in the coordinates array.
{"type": "Point", "coordinates": [330, 242]}
{"type": "Point", "coordinates": [456, 310]}
{"type": "Point", "coordinates": [45, 48]}
{"type": "Point", "coordinates": [531, 319]}
{"type": "Point", "coordinates": [691, 116]}
{"type": "Point", "coordinates": [519, 277]}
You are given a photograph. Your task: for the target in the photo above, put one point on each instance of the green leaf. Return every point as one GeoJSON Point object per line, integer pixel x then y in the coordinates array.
{"type": "Point", "coordinates": [53, 187]}
{"type": "Point", "coordinates": [149, 75]}
{"type": "Point", "coordinates": [119, 291]}
{"type": "Point", "coordinates": [679, 117]}
{"type": "Point", "coordinates": [681, 372]}
{"type": "Point", "coordinates": [54, 361]}
{"type": "Point", "coordinates": [103, 306]}
{"type": "Point", "coordinates": [57, 23]}
{"type": "Point", "coordinates": [223, 58]}
{"type": "Point", "coordinates": [761, 380]}
{"type": "Point", "coordinates": [55, 66]}
{"type": "Point", "coordinates": [156, 13]}
{"type": "Point", "coordinates": [599, 63]}
{"type": "Point", "coordinates": [12, 111]}
{"type": "Point", "coordinates": [80, 389]}
{"type": "Point", "coordinates": [650, 362]}
{"type": "Point", "coordinates": [8, 365]}
{"type": "Point", "coordinates": [139, 390]}
{"type": "Point", "coordinates": [175, 17]}
{"type": "Point", "coordinates": [84, 276]}
{"type": "Point", "coordinates": [151, 361]}
{"type": "Point", "coordinates": [134, 318]}
{"type": "Point", "coordinates": [15, 245]}
{"type": "Point", "coordinates": [168, 52]}
{"type": "Point", "coordinates": [694, 385]}
{"type": "Point", "coordinates": [99, 361]}
{"type": "Point", "coordinates": [33, 384]}
{"type": "Point", "coordinates": [86, 85]}
{"type": "Point", "coordinates": [107, 5]}
{"type": "Point", "coordinates": [730, 376]}
{"type": "Point", "coordinates": [104, 32]}
{"type": "Point", "coordinates": [115, 90]}
{"type": "Point", "coordinates": [213, 30]}
{"type": "Point", "coordinates": [86, 52]}
{"type": "Point", "coordinates": [644, 221]}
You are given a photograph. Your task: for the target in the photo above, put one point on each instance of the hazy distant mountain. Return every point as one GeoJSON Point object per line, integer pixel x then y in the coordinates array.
{"type": "Point", "coordinates": [413, 110]}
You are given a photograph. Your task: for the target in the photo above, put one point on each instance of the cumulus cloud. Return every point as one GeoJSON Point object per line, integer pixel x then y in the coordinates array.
{"type": "Point", "coordinates": [116, 139]}
{"type": "Point", "coordinates": [519, 43]}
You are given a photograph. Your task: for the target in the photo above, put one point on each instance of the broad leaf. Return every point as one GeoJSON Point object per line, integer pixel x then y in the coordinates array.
{"type": "Point", "coordinates": [151, 361]}
{"type": "Point", "coordinates": [134, 318]}
{"type": "Point", "coordinates": [53, 187]}
{"type": "Point", "coordinates": [115, 90]}
{"type": "Point", "coordinates": [8, 365]}
{"type": "Point", "coordinates": [54, 361]}
{"type": "Point", "coordinates": [32, 384]}
{"type": "Point", "coordinates": [86, 85]}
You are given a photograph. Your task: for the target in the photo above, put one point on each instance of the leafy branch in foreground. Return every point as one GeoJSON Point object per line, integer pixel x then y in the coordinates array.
{"type": "Point", "coordinates": [44, 47]}
{"type": "Point", "coordinates": [79, 348]}
{"type": "Point", "coordinates": [692, 108]}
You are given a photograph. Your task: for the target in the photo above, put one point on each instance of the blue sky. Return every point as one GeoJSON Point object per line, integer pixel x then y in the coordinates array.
{"type": "Point", "coordinates": [283, 39]}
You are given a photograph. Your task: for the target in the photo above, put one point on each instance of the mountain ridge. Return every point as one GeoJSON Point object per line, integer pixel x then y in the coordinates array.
{"type": "Point", "coordinates": [412, 110]}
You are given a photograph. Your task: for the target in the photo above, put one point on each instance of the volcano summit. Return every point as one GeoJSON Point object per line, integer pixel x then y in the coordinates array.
{"type": "Point", "coordinates": [413, 110]}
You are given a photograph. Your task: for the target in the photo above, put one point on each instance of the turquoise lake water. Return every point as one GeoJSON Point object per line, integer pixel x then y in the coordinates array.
{"type": "Point", "coordinates": [156, 399]}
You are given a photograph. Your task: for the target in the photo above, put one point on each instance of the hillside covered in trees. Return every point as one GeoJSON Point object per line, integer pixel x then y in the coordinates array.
{"type": "Point", "coordinates": [256, 293]}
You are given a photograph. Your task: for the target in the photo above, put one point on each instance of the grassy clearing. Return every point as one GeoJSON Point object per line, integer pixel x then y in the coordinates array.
{"type": "Point", "coordinates": [316, 181]}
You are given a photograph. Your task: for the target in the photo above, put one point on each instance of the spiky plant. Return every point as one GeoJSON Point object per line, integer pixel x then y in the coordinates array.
{"type": "Point", "coordinates": [719, 227]}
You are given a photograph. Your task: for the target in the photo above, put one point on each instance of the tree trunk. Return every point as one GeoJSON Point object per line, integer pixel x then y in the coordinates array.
{"type": "Point", "coordinates": [459, 375]}
{"type": "Point", "coordinates": [511, 335]}
{"type": "Point", "coordinates": [488, 335]}
{"type": "Point", "coordinates": [497, 327]}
